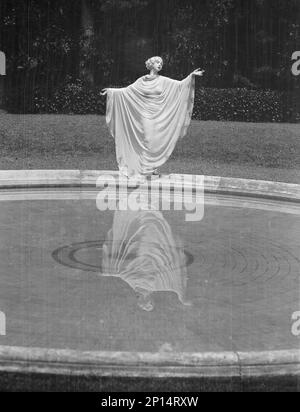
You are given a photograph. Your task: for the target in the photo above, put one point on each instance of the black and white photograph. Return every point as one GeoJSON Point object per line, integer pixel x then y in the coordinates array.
{"type": "Point", "coordinates": [149, 199]}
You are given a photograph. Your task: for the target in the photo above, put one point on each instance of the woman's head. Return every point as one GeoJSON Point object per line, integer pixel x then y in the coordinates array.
{"type": "Point", "coordinates": [155, 63]}
{"type": "Point", "coordinates": [144, 299]}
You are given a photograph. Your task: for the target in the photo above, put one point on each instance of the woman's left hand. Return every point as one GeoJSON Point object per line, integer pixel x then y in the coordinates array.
{"type": "Point", "coordinates": [198, 72]}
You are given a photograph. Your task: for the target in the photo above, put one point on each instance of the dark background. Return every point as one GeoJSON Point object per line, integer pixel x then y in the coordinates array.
{"type": "Point", "coordinates": [69, 49]}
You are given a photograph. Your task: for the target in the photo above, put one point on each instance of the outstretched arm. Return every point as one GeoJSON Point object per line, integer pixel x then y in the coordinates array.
{"type": "Point", "coordinates": [105, 91]}
{"type": "Point", "coordinates": [198, 72]}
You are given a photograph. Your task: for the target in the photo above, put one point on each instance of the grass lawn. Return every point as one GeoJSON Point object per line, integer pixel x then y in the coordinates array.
{"type": "Point", "coordinates": [247, 150]}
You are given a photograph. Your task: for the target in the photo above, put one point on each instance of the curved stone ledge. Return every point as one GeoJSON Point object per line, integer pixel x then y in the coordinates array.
{"type": "Point", "coordinates": [167, 365]}
{"type": "Point", "coordinates": [212, 184]}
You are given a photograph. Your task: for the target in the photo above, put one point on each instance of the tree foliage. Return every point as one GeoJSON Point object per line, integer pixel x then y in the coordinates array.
{"type": "Point", "coordinates": [240, 43]}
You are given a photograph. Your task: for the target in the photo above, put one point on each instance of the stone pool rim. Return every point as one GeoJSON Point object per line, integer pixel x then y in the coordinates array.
{"type": "Point", "coordinates": [242, 365]}
{"type": "Point", "coordinates": [19, 179]}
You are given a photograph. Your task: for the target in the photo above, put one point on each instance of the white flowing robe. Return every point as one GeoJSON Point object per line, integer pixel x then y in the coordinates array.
{"type": "Point", "coordinates": [146, 120]}
{"type": "Point", "coordinates": [141, 250]}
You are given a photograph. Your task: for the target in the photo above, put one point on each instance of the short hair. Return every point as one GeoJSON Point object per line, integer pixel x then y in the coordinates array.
{"type": "Point", "coordinates": [152, 60]}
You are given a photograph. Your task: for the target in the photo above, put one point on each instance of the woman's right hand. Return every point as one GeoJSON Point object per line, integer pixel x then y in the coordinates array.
{"type": "Point", "coordinates": [104, 92]}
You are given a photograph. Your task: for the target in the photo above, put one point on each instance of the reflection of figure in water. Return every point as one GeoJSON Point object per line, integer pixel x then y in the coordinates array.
{"type": "Point", "coordinates": [148, 117]}
{"type": "Point", "coordinates": [141, 250]}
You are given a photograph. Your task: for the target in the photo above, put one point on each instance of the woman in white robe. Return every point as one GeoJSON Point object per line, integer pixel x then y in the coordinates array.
{"type": "Point", "coordinates": [148, 117]}
{"type": "Point", "coordinates": [142, 250]}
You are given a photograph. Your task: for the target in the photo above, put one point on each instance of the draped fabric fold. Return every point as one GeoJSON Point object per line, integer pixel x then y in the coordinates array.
{"type": "Point", "coordinates": [146, 120]}
{"type": "Point", "coordinates": [141, 250]}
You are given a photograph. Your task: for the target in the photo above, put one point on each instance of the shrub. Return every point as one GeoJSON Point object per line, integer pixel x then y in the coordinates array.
{"type": "Point", "coordinates": [242, 105]}
{"type": "Point", "coordinates": [72, 98]}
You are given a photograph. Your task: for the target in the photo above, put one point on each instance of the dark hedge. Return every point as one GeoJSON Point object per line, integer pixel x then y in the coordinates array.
{"type": "Point", "coordinates": [238, 104]}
